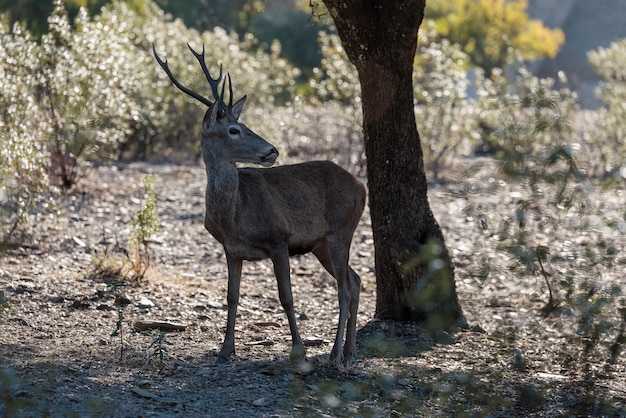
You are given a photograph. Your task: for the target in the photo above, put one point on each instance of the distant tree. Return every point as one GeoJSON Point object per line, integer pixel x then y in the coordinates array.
{"type": "Point", "coordinates": [34, 13]}
{"type": "Point", "coordinates": [207, 14]}
{"type": "Point", "coordinates": [490, 31]}
{"type": "Point", "coordinates": [414, 273]}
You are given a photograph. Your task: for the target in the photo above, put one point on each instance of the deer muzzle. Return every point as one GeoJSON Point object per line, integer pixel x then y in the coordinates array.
{"type": "Point", "coordinates": [269, 159]}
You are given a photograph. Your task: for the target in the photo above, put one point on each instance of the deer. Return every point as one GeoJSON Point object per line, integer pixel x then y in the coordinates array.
{"type": "Point", "coordinates": [274, 213]}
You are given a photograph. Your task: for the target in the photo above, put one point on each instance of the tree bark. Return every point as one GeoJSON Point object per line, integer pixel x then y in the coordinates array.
{"type": "Point", "coordinates": [414, 273]}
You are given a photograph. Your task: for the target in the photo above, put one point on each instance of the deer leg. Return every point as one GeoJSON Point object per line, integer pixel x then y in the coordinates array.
{"type": "Point", "coordinates": [232, 298]}
{"type": "Point", "coordinates": [355, 289]}
{"type": "Point", "coordinates": [337, 265]}
{"type": "Point", "coordinates": [280, 259]}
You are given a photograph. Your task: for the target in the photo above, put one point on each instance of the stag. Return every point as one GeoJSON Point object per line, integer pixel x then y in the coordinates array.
{"type": "Point", "coordinates": [260, 213]}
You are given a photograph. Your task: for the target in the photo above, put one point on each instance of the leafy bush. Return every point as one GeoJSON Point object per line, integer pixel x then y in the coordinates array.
{"type": "Point", "coordinates": [557, 231]}
{"type": "Point", "coordinates": [520, 117]}
{"type": "Point", "coordinates": [86, 92]}
{"type": "Point", "coordinates": [447, 119]}
{"type": "Point", "coordinates": [609, 136]}
{"type": "Point", "coordinates": [23, 156]}
{"type": "Point", "coordinates": [169, 120]}
{"type": "Point", "coordinates": [493, 32]}
{"type": "Point", "coordinates": [93, 91]}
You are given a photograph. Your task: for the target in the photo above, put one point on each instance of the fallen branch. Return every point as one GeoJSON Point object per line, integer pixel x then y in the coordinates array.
{"type": "Point", "coordinates": [160, 325]}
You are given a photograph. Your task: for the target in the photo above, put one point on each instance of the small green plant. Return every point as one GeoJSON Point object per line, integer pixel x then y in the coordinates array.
{"type": "Point", "coordinates": [107, 266]}
{"type": "Point", "coordinates": [158, 351]}
{"type": "Point", "coordinates": [145, 225]}
{"type": "Point", "coordinates": [120, 302]}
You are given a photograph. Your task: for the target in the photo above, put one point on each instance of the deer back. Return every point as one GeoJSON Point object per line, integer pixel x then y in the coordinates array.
{"type": "Point", "coordinates": [297, 204]}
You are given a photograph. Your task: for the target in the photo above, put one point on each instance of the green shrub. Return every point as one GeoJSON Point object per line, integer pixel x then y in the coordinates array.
{"type": "Point", "coordinates": [492, 32]}
{"type": "Point", "coordinates": [608, 138]}
{"type": "Point", "coordinates": [447, 118]}
{"type": "Point", "coordinates": [92, 91]}
{"type": "Point", "coordinates": [523, 116]}
{"type": "Point", "coordinates": [23, 155]}
{"type": "Point", "coordinates": [86, 92]}
{"type": "Point", "coordinates": [557, 234]}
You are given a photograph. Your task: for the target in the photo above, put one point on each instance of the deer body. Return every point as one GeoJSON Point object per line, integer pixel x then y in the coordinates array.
{"type": "Point", "coordinates": [276, 212]}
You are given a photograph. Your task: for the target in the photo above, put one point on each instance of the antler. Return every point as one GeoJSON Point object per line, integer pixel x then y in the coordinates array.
{"type": "Point", "coordinates": [213, 82]}
{"type": "Point", "coordinates": [190, 92]}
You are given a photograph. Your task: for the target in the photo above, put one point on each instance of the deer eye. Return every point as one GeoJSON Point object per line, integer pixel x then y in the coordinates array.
{"type": "Point", "coordinates": [234, 131]}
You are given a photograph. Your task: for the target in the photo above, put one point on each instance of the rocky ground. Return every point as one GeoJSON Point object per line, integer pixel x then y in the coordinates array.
{"type": "Point", "coordinates": [58, 356]}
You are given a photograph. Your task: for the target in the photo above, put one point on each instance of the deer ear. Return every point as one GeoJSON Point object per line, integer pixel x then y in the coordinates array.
{"type": "Point", "coordinates": [238, 107]}
{"type": "Point", "coordinates": [210, 117]}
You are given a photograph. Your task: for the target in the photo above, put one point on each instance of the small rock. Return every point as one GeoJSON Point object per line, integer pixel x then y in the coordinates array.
{"type": "Point", "coordinates": [145, 383]}
{"type": "Point", "coordinates": [261, 342]}
{"type": "Point", "coordinates": [80, 304]}
{"type": "Point", "coordinates": [57, 299]}
{"type": "Point", "coordinates": [122, 300]}
{"type": "Point", "coordinates": [145, 303]}
{"type": "Point", "coordinates": [79, 241]}
{"type": "Point", "coordinates": [313, 342]}
{"type": "Point", "coordinates": [442, 337]}
{"type": "Point", "coordinates": [149, 395]}
{"type": "Point", "coordinates": [20, 321]}
{"type": "Point", "coordinates": [262, 402]}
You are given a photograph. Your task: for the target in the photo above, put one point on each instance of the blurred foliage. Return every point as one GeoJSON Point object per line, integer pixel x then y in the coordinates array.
{"type": "Point", "coordinates": [492, 32]}
{"type": "Point", "coordinates": [609, 134]}
{"type": "Point", "coordinates": [34, 13]}
{"type": "Point", "coordinates": [23, 156]}
{"type": "Point", "coordinates": [92, 91]}
{"type": "Point", "coordinates": [557, 233]}
{"type": "Point", "coordinates": [524, 115]}
{"type": "Point", "coordinates": [206, 14]}
{"type": "Point", "coordinates": [447, 120]}
{"type": "Point", "coordinates": [446, 117]}
{"type": "Point", "coordinates": [86, 92]}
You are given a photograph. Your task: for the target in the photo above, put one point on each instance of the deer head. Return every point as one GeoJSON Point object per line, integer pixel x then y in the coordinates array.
{"type": "Point", "coordinates": [223, 137]}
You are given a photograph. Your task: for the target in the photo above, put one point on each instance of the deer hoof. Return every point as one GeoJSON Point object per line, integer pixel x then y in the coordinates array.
{"type": "Point", "coordinates": [297, 353]}
{"type": "Point", "coordinates": [221, 360]}
{"type": "Point", "coordinates": [335, 355]}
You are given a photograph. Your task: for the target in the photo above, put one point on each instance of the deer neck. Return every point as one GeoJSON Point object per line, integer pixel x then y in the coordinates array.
{"type": "Point", "coordinates": [222, 192]}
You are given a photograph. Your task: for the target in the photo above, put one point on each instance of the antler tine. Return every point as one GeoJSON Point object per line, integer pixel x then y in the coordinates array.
{"type": "Point", "coordinates": [222, 95]}
{"type": "Point", "coordinates": [213, 82]}
{"type": "Point", "coordinates": [230, 90]}
{"type": "Point", "coordinates": [190, 92]}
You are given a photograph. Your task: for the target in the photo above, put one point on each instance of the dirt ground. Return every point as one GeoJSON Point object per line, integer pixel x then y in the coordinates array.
{"type": "Point", "coordinates": [58, 357]}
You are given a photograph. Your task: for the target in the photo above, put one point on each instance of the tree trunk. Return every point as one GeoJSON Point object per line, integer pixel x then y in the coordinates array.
{"type": "Point", "coordinates": [414, 274]}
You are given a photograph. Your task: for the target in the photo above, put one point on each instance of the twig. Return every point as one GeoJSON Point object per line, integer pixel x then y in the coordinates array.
{"type": "Point", "coordinates": [552, 304]}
